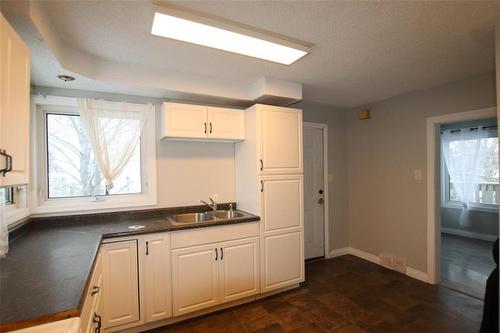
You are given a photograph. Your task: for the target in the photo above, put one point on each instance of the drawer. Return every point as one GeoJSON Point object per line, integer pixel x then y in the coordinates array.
{"type": "Point", "coordinates": [201, 236]}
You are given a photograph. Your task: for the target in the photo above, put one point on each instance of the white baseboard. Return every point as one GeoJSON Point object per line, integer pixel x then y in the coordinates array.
{"type": "Point", "coordinates": [337, 252]}
{"type": "Point", "coordinates": [410, 271]}
{"type": "Point", "coordinates": [469, 234]}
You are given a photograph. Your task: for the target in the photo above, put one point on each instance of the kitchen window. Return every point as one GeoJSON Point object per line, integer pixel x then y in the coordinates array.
{"type": "Point", "coordinates": [70, 177]}
{"type": "Point", "coordinates": [71, 164]}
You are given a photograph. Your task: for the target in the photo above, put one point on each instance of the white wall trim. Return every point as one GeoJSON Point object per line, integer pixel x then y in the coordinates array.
{"type": "Point", "coordinates": [337, 252]}
{"type": "Point", "coordinates": [469, 234]}
{"type": "Point", "coordinates": [410, 271]}
{"type": "Point", "coordinates": [326, 205]}
{"type": "Point", "coordinates": [433, 181]}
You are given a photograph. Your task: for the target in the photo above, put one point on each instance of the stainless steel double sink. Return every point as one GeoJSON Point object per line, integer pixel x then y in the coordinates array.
{"type": "Point", "coordinates": [210, 216]}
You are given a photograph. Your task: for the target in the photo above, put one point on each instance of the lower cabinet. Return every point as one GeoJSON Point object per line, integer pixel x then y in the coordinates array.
{"type": "Point", "coordinates": [157, 286]}
{"type": "Point", "coordinates": [91, 315]}
{"type": "Point", "coordinates": [204, 276]}
{"type": "Point", "coordinates": [120, 283]}
{"type": "Point", "coordinates": [282, 260]}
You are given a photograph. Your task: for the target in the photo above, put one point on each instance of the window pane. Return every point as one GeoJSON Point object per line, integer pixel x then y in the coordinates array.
{"type": "Point", "coordinates": [72, 169]}
{"type": "Point", "coordinates": [6, 195]}
{"type": "Point", "coordinates": [487, 185]}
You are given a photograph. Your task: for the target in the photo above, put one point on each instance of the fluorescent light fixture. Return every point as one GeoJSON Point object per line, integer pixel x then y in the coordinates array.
{"type": "Point", "coordinates": [207, 35]}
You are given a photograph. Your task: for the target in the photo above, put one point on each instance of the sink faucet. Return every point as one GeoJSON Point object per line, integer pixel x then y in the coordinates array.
{"type": "Point", "coordinates": [212, 206]}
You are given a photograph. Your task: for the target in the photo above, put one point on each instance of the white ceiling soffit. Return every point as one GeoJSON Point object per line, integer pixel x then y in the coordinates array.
{"type": "Point", "coordinates": [51, 56]}
{"type": "Point", "coordinates": [363, 51]}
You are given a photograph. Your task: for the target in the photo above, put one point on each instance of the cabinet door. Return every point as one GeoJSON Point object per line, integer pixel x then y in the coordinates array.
{"type": "Point", "coordinates": [120, 283]}
{"type": "Point", "coordinates": [157, 279]}
{"type": "Point", "coordinates": [195, 278]}
{"type": "Point", "coordinates": [280, 140]}
{"type": "Point", "coordinates": [227, 124]}
{"type": "Point", "coordinates": [282, 203]}
{"type": "Point", "coordinates": [239, 269]}
{"type": "Point", "coordinates": [184, 121]}
{"type": "Point", "coordinates": [14, 104]}
{"type": "Point", "coordinates": [282, 261]}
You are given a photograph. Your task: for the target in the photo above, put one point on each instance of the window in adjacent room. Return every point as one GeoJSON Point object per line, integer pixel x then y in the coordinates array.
{"type": "Point", "coordinates": [484, 175]}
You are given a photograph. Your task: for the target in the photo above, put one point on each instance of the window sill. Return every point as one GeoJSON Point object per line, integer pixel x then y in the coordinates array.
{"type": "Point", "coordinates": [89, 205]}
{"type": "Point", "coordinates": [472, 207]}
{"type": "Point", "coordinates": [12, 215]}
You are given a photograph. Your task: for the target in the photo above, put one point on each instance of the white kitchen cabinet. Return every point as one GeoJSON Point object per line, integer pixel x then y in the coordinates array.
{"type": "Point", "coordinates": [202, 123]}
{"type": "Point", "coordinates": [269, 183]}
{"type": "Point", "coordinates": [91, 315]}
{"type": "Point", "coordinates": [14, 106]}
{"type": "Point", "coordinates": [195, 278]}
{"type": "Point", "coordinates": [157, 274]}
{"type": "Point", "coordinates": [280, 149]}
{"type": "Point", "coordinates": [215, 273]}
{"type": "Point", "coordinates": [282, 203]}
{"type": "Point", "coordinates": [239, 269]}
{"type": "Point", "coordinates": [282, 261]}
{"type": "Point", "coordinates": [120, 283]}
{"type": "Point", "coordinates": [224, 123]}
{"type": "Point", "coordinates": [184, 120]}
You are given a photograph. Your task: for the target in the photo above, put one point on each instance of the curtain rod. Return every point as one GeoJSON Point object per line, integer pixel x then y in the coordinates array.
{"type": "Point", "coordinates": [453, 131]}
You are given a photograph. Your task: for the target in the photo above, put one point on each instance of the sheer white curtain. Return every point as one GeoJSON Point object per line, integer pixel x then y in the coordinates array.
{"type": "Point", "coordinates": [114, 130]}
{"type": "Point", "coordinates": [464, 152]}
{"type": "Point", "coordinates": [4, 233]}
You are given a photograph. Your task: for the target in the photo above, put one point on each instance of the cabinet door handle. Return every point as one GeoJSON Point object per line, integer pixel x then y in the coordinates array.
{"type": "Point", "coordinates": [221, 253]}
{"type": "Point", "coordinates": [261, 186]}
{"type": "Point", "coordinates": [210, 128]}
{"type": "Point", "coordinates": [8, 162]}
{"type": "Point", "coordinates": [261, 165]}
{"type": "Point", "coordinates": [216, 254]}
{"type": "Point", "coordinates": [98, 320]}
{"type": "Point", "coordinates": [147, 248]}
{"type": "Point", "coordinates": [205, 127]}
{"type": "Point", "coordinates": [95, 290]}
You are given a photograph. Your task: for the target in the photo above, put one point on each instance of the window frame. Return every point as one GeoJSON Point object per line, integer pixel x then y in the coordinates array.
{"type": "Point", "coordinates": [445, 191]}
{"type": "Point", "coordinates": [40, 199]}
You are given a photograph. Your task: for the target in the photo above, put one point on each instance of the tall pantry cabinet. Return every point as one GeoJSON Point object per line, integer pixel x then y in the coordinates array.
{"type": "Point", "coordinates": [269, 183]}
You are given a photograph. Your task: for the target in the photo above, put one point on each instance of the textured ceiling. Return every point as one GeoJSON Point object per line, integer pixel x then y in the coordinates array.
{"type": "Point", "coordinates": [363, 51]}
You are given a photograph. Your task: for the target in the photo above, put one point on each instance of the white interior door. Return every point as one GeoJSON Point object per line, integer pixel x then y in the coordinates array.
{"type": "Point", "coordinates": [314, 226]}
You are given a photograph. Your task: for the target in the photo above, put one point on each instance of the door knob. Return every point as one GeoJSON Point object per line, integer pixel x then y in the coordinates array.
{"type": "Point", "coordinates": [320, 201]}
{"type": "Point", "coordinates": [320, 191]}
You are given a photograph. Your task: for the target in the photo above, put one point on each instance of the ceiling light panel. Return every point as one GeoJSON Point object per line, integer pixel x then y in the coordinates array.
{"type": "Point", "coordinates": [202, 34]}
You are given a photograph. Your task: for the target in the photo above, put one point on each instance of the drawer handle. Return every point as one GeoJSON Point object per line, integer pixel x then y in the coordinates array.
{"type": "Point", "coordinates": [95, 290]}
{"type": "Point", "coordinates": [98, 320]}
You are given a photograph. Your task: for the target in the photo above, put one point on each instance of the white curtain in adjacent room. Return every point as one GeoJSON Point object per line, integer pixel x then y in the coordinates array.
{"type": "Point", "coordinates": [114, 130]}
{"type": "Point", "coordinates": [464, 152]}
{"type": "Point", "coordinates": [4, 232]}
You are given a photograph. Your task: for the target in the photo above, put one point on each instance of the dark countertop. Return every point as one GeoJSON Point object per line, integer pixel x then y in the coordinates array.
{"type": "Point", "coordinates": [44, 276]}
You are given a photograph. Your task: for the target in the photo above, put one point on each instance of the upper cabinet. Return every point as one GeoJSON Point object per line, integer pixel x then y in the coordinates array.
{"type": "Point", "coordinates": [196, 122]}
{"type": "Point", "coordinates": [280, 148]}
{"type": "Point", "coordinates": [14, 107]}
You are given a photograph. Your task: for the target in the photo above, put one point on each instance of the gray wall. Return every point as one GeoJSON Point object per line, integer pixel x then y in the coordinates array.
{"type": "Point", "coordinates": [336, 119]}
{"type": "Point", "coordinates": [386, 206]}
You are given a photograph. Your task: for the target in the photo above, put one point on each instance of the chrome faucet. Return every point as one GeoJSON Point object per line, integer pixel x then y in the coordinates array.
{"type": "Point", "coordinates": [212, 206]}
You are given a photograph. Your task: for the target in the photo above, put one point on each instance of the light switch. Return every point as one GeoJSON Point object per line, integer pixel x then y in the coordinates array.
{"type": "Point", "coordinates": [417, 174]}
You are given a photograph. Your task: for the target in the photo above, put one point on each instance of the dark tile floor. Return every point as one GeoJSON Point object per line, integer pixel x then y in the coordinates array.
{"type": "Point", "coordinates": [343, 295]}
{"type": "Point", "coordinates": [466, 263]}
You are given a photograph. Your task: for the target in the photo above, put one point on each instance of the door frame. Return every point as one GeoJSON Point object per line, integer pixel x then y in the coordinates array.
{"type": "Point", "coordinates": [434, 183]}
{"type": "Point", "coordinates": [324, 128]}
